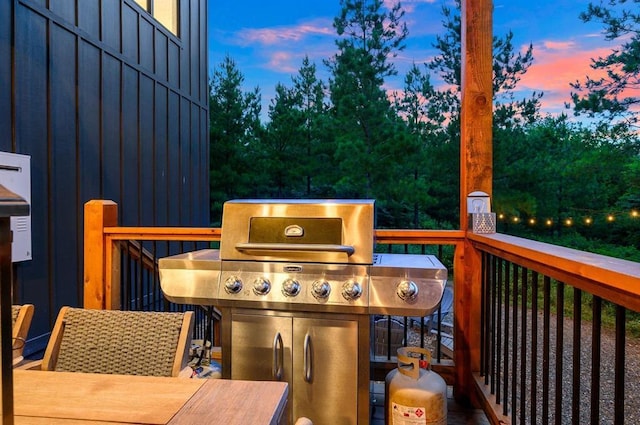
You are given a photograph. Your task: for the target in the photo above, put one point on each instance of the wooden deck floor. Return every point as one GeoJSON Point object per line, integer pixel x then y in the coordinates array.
{"type": "Point", "coordinates": [456, 414]}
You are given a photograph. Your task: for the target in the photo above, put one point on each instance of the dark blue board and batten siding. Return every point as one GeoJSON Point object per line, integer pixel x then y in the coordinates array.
{"type": "Point", "coordinates": [109, 104]}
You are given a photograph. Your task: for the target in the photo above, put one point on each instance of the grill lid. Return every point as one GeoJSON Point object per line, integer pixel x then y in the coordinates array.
{"type": "Point", "coordinates": [322, 231]}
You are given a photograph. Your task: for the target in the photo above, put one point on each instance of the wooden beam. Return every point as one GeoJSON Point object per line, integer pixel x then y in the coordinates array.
{"type": "Point", "coordinates": [476, 114]}
{"type": "Point", "coordinates": [476, 173]}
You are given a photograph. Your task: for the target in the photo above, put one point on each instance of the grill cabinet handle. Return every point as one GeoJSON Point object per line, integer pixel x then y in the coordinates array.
{"type": "Point", "coordinates": [307, 358]}
{"type": "Point", "coordinates": [278, 358]}
{"type": "Point", "coordinates": [307, 247]}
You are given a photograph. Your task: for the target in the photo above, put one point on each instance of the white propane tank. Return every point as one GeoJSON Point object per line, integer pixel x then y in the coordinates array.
{"type": "Point", "coordinates": [415, 395]}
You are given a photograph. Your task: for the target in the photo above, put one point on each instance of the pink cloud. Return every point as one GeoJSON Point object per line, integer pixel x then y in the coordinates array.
{"type": "Point", "coordinates": [556, 64]}
{"type": "Point", "coordinates": [282, 62]}
{"type": "Point", "coordinates": [285, 34]}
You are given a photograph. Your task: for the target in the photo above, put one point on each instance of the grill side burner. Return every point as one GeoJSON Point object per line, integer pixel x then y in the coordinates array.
{"type": "Point", "coordinates": [295, 281]}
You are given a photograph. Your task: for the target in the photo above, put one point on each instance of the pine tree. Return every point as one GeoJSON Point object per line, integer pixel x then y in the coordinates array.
{"type": "Point", "coordinates": [234, 126]}
{"type": "Point", "coordinates": [611, 96]}
{"type": "Point", "coordinates": [364, 124]}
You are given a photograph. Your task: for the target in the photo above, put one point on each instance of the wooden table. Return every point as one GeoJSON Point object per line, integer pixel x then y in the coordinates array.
{"type": "Point", "coordinates": [64, 397]}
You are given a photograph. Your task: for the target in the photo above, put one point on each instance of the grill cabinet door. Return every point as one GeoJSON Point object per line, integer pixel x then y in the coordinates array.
{"type": "Point", "coordinates": [256, 349]}
{"type": "Point", "coordinates": [325, 370]}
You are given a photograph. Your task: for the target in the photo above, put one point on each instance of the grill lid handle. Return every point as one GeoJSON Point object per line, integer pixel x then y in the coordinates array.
{"type": "Point", "coordinates": [347, 249]}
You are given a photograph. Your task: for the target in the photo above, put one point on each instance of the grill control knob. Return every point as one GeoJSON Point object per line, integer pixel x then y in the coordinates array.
{"type": "Point", "coordinates": [261, 286]}
{"type": "Point", "coordinates": [233, 285]}
{"type": "Point", "coordinates": [351, 290]}
{"type": "Point", "coordinates": [407, 290]}
{"type": "Point", "coordinates": [321, 289]}
{"type": "Point", "coordinates": [290, 288]}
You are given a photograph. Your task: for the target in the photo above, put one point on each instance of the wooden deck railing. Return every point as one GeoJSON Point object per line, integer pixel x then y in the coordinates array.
{"type": "Point", "coordinates": [499, 284]}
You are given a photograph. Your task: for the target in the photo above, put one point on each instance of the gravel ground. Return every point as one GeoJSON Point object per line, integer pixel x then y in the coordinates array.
{"type": "Point", "coordinates": [607, 373]}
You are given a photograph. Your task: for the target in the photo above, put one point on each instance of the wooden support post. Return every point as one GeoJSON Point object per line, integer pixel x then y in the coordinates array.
{"type": "Point", "coordinates": [99, 253]}
{"type": "Point", "coordinates": [476, 173]}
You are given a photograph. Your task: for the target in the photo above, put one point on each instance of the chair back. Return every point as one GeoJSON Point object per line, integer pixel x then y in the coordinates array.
{"type": "Point", "coordinates": [388, 336]}
{"type": "Point", "coordinates": [21, 316]}
{"type": "Point", "coordinates": [119, 342]}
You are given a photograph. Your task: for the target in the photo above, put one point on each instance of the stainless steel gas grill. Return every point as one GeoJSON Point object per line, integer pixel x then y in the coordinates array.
{"type": "Point", "coordinates": [296, 282]}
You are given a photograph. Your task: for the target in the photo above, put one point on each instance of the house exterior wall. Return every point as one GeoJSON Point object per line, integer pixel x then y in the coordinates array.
{"type": "Point", "coordinates": [109, 105]}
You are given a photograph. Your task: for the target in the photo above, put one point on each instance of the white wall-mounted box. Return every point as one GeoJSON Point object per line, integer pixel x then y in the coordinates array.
{"type": "Point", "coordinates": [15, 175]}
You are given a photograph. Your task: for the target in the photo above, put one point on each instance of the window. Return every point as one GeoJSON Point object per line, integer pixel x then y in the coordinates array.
{"type": "Point", "coordinates": [165, 12]}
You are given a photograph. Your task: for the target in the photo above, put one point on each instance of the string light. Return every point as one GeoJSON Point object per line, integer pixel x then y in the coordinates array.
{"type": "Point", "coordinates": [587, 220]}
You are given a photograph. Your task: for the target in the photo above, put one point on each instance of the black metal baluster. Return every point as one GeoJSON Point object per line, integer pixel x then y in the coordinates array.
{"type": "Point", "coordinates": [523, 345]}
{"type": "Point", "coordinates": [546, 343]}
{"type": "Point", "coordinates": [559, 350]}
{"type": "Point", "coordinates": [534, 347]}
{"type": "Point", "coordinates": [619, 365]}
{"type": "Point", "coordinates": [577, 347]}
{"type": "Point", "coordinates": [596, 329]}
{"type": "Point", "coordinates": [514, 344]}
{"type": "Point", "coordinates": [505, 373]}
{"type": "Point", "coordinates": [497, 358]}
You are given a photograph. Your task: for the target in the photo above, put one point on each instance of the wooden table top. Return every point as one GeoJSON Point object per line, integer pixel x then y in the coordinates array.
{"type": "Point", "coordinates": [63, 397]}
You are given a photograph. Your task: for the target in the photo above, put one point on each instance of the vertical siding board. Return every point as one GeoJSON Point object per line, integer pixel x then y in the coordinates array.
{"type": "Point", "coordinates": [161, 53]}
{"type": "Point", "coordinates": [31, 139]}
{"type": "Point", "coordinates": [196, 162]}
{"type": "Point", "coordinates": [202, 58]}
{"type": "Point", "coordinates": [62, 213]}
{"type": "Point", "coordinates": [89, 17]}
{"type": "Point", "coordinates": [147, 187]}
{"type": "Point", "coordinates": [186, 164]}
{"type": "Point", "coordinates": [173, 66]}
{"type": "Point", "coordinates": [66, 9]}
{"type": "Point", "coordinates": [129, 207]}
{"type": "Point", "coordinates": [194, 51]}
{"type": "Point", "coordinates": [111, 21]}
{"type": "Point", "coordinates": [89, 107]}
{"type": "Point", "coordinates": [6, 112]}
{"type": "Point", "coordinates": [174, 162]}
{"type": "Point", "coordinates": [161, 166]}
{"type": "Point", "coordinates": [130, 34]}
{"type": "Point", "coordinates": [204, 167]}
{"type": "Point", "coordinates": [185, 35]}
{"type": "Point", "coordinates": [111, 80]}
{"type": "Point", "coordinates": [146, 44]}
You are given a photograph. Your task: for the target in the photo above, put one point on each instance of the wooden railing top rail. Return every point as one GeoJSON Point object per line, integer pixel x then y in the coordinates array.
{"type": "Point", "coordinates": [613, 279]}
{"type": "Point", "coordinates": [396, 236]}
{"type": "Point", "coordinates": [164, 233]}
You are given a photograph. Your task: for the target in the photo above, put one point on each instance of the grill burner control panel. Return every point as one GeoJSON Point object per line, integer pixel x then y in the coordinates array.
{"type": "Point", "coordinates": [296, 284]}
{"type": "Point", "coordinates": [401, 284]}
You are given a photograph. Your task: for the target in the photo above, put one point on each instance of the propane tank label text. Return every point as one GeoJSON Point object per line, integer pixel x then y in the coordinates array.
{"type": "Point", "coordinates": [412, 415]}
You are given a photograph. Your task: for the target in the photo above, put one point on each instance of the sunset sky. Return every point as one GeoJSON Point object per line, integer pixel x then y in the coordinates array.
{"type": "Point", "coordinates": [269, 39]}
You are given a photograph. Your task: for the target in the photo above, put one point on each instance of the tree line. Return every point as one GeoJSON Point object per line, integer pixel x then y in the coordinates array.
{"type": "Point", "coordinates": [349, 138]}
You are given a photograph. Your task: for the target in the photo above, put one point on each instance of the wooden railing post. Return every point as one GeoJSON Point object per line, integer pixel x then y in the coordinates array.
{"type": "Point", "coordinates": [476, 173]}
{"type": "Point", "coordinates": [99, 255]}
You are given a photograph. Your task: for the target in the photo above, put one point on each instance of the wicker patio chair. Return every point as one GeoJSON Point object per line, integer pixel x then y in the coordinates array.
{"type": "Point", "coordinates": [21, 316]}
{"type": "Point", "coordinates": [387, 342]}
{"type": "Point", "coordinates": [120, 342]}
